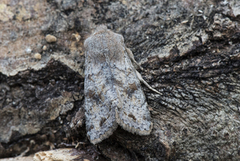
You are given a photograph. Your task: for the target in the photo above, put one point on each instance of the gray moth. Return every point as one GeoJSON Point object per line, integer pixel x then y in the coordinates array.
{"type": "Point", "coordinates": [112, 89]}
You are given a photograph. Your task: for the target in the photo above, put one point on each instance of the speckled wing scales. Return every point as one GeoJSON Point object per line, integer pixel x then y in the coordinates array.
{"type": "Point", "coordinates": [99, 96]}
{"type": "Point", "coordinates": [134, 115]}
{"type": "Point", "coordinates": [113, 93]}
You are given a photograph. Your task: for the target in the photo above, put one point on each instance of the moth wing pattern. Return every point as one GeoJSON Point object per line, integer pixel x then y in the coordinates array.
{"type": "Point", "coordinates": [133, 115]}
{"type": "Point", "coordinates": [99, 98]}
{"type": "Point", "coordinates": [113, 93]}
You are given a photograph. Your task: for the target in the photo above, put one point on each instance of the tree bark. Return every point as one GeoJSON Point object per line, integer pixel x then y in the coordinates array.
{"type": "Point", "coordinates": [190, 52]}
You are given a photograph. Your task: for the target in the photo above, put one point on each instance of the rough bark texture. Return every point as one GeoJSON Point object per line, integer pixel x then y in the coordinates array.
{"type": "Point", "coordinates": [191, 50]}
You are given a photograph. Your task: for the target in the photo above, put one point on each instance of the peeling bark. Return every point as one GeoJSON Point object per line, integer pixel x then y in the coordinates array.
{"type": "Point", "coordinates": [190, 52]}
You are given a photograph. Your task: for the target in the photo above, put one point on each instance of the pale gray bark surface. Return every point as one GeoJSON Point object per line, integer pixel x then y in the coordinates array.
{"type": "Point", "coordinates": [190, 52]}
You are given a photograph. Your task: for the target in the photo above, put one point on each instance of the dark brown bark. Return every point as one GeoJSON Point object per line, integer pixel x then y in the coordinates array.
{"type": "Point", "coordinates": [189, 50]}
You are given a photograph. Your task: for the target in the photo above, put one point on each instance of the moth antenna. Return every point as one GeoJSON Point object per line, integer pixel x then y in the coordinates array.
{"type": "Point", "coordinates": [130, 54]}
{"type": "Point", "coordinates": [144, 82]}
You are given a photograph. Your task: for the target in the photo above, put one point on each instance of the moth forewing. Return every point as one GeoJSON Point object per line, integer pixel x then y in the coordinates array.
{"type": "Point", "coordinates": [113, 94]}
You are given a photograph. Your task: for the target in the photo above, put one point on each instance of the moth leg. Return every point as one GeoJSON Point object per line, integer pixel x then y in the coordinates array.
{"type": "Point", "coordinates": [144, 82]}
{"type": "Point", "coordinates": [130, 54]}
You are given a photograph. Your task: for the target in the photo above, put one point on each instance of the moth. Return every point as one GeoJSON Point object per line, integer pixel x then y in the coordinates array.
{"type": "Point", "coordinates": [113, 94]}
